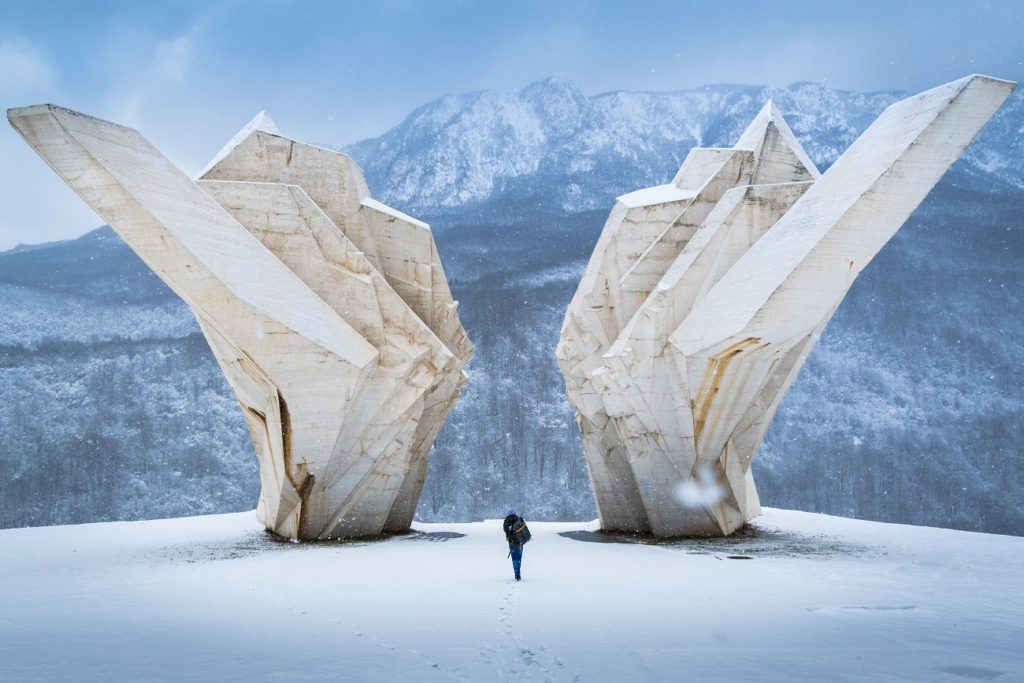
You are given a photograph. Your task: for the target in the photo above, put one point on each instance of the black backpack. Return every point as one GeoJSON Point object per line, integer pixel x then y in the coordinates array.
{"type": "Point", "coordinates": [520, 532]}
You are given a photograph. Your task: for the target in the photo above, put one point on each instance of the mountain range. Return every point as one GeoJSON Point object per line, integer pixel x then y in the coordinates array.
{"type": "Point", "coordinates": [908, 410]}
{"type": "Point", "coordinates": [550, 145]}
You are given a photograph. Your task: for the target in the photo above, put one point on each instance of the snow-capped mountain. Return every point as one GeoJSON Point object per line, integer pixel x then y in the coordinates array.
{"type": "Point", "coordinates": [549, 144]}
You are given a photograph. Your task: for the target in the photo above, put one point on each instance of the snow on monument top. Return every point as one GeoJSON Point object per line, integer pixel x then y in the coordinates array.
{"type": "Point", "coordinates": [261, 121]}
{"type": "Point", "coordinates": [756, 136]}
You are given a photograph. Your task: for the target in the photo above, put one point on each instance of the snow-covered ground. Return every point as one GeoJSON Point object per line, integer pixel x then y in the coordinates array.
{"type": "Point", "coordinates": [214, 598]}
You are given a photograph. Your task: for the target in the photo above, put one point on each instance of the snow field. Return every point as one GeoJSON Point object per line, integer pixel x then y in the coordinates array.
{"type": "Point", "coordinates": [214, 598]}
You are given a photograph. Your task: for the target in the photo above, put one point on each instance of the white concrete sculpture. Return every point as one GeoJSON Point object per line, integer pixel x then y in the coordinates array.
{"type": "Point", "coordinates": [328, 312]}
{"type": "Point", "coordinates": [704, 297]}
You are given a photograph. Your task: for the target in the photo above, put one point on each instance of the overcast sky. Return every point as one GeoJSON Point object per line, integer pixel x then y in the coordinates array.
{"type": "Point", "coordinates": [189, 74]}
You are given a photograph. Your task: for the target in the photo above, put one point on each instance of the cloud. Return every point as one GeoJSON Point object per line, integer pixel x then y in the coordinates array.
{"type": "Point", "coordinates": [24, 68]}
{"type": "Point", "coordinates": [169, 64]}
{"type": "Point", "coordinates": [172, 58]}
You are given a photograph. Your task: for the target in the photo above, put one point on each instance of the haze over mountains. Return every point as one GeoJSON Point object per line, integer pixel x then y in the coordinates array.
{"type": "Point", "coordinates": [908, 410]}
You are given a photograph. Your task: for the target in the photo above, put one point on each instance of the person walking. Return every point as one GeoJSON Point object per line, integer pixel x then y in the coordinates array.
{"type": "Point", "coordinates": [515, 546]}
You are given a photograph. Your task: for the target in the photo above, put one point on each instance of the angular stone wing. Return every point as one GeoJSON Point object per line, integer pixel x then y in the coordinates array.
{"type": "Point", "coordinates": [784, 289]}
{"type": "Point", "coordinates": [413, 361]}
{"type": "Point", "coordinates": [399, 247]}
{"type": "Point", "coordinates": [640, 383]}
{"type": "Point", "coordinates": [343, 383]}
{"type": "Point", "coordinates": [644, 235]}
{"type": "Point", "coordinates": [690, 325]}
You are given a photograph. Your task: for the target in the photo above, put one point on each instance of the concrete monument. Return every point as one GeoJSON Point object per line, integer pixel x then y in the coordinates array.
{"type": "Point", "coordinates": [328, 311]}
{"type": "Point", "coordinates": [704, 297]}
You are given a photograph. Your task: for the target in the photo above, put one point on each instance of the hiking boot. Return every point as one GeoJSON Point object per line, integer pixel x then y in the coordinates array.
{"type": "Point", "coordinates": [518, 578]}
